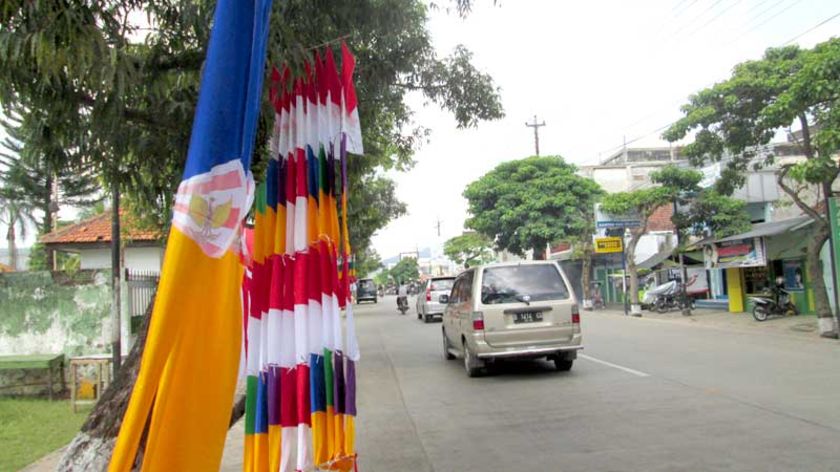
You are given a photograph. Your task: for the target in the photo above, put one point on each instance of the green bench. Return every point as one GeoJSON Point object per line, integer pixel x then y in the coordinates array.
{"type": "Point", "coordinates": [51, 363]}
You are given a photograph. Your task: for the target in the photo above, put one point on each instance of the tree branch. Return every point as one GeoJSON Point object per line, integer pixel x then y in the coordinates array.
{"type": "Point", "coordinates": [795, 196]}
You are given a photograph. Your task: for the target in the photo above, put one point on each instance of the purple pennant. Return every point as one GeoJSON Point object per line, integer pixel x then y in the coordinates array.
{"type": "Point", "coordinates": [350, 388]}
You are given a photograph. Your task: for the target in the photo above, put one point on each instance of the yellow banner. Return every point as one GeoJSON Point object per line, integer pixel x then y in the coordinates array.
{"type": "Point", "coordinates": [608, 245]}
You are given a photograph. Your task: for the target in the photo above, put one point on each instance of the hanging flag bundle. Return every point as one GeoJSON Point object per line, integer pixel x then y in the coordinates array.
{"type": "Point", "coordinates": [301, 382]}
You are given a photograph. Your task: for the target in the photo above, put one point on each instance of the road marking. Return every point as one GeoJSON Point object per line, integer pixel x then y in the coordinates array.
{"type": "Point", "coordinates": [614, 366]}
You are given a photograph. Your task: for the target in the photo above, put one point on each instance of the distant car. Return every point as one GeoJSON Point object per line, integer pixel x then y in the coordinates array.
{"type": "Point", "coordinates": [366, 291]}
{"type": "Point", "coordinates": [512, 310]}
{"type": "Point", "coordinates": [428, 300]}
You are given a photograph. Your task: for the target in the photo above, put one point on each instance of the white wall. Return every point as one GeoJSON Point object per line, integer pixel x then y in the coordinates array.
{"type": "Point", "coordinates": [95, 258]}
{"type": "Point", "coordinates": [144, 258]}
{"type": "Point", "coordinates": [611, 179]}
{"type": "Point", "coordinates": [136, 258]}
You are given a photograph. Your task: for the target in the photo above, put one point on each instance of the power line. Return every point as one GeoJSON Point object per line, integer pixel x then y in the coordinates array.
{"type": "Point", "coordinates": [796, 2]}
{"type": "Point", "coordinates": [661, 128]}
{"type": "Point", "coordinates": [714, 18]}
{"type": "Point", "coordinates": [681, 2]}
{"type": "Point", "coordinates": [811, 29]}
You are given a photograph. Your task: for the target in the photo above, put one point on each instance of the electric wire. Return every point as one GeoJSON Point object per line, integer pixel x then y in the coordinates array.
{"type": "Point", "coordinates": [662, 128]}
{"type": "Point", "coordinates": [811, 29]}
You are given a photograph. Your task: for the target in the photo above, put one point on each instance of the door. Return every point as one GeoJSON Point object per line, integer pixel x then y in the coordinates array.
{"type": "Point", "coordinates": [526, 305]}
{"type": "Point", "coordinates": [465, 303]}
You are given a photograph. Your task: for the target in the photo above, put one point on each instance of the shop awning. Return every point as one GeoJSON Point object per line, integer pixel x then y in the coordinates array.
{"type": "Point", "coordinates": [772, 228]}
{"type": "Point", "coordinates": [656, 259]}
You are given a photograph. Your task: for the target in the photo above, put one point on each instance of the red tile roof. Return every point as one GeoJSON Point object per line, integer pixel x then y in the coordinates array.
{"type": "Point", "coordinates": [5, 268]}
{"type": "Point", "coordinates": [98, 230]}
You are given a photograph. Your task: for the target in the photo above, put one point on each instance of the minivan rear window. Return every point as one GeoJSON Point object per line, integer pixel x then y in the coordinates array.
{"type": "Point", "coordinates": [439, 285]}
{"type": "Point", "coordinates": [511, 284]}
{"type": "Point", "coordinates": [366, 284]}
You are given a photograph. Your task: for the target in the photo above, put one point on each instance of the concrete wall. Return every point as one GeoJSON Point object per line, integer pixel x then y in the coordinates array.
{"type": "Point", "coordinates": [43, 314]}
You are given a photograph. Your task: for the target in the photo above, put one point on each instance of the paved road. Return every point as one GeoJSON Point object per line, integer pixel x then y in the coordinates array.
{"type": "Point", "coordinates": [648, 395]}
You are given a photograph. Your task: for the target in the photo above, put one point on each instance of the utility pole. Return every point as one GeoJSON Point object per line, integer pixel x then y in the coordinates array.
{"type": "Point", "coordinates": [536, 127]}
{"type": "Point", "coordinates": [116, 348]}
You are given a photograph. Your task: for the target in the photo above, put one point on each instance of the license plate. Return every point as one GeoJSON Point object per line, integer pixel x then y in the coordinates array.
{"type": "Point", "coordinates": [527, 317]}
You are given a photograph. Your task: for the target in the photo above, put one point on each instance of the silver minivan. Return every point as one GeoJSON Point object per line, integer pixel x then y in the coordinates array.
{"type": "Point", "coordinates": [512, 310]}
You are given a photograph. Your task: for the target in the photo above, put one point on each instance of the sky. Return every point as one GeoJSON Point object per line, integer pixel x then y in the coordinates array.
{"type": "Point", "coordinates": [597, 73]}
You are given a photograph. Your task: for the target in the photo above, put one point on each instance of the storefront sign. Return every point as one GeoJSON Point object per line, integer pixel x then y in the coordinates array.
{"type": "Point", "coordinates": [608, 245]}
{"type": "Point", "coordinates": [696, 282]}
{"type": "Point", "coordinates": [736, 253]}
{"type": "Point", "coordinates": [833, 205]}
{"type": "Point", "coordinates": [606, 221]}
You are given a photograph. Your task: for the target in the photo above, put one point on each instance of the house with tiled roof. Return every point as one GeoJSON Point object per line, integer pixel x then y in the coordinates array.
{"type": "Point", "coordinates": [91, 239]}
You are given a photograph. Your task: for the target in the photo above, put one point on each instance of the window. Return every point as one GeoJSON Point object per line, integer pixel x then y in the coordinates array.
{"type": "Point", "coordinates": [467, 287]}
{"type": "Point", "coordinates": [455, 296]}
{"type": "Point", "coordinates": [439, 285]}
{"type": "Point", "coordinates": [513, 284]}
{"type": "Point", "coordinates": [462, 288]}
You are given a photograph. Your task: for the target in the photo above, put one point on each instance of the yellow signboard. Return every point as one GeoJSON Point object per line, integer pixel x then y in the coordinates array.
{"type": "Point", "coordinates": [608, 245]}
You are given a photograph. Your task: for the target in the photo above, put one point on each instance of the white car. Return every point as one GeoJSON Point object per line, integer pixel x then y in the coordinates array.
{"type": "Point", "coordinates": [428, 300]}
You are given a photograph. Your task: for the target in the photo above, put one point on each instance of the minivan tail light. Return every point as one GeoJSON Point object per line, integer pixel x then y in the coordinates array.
{"type": "Point", "coordinates": [575, 314]}
{"type": "Point", "coordinates": [478, 321]}
{"type": "Point", "coordinates": [429, 294]}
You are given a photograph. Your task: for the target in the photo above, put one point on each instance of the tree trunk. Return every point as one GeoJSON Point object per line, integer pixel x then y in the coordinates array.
{"type": "Point", "coordinates": [813, 264]}
{"type": "Point", "coordinates": [586, 268]}
{"type": "Point", "coordinates": [539, 252]}
{"type": "Point", "coordinates": [10, 238]}
{"type": "Point", "coordinates": [49, 253]}
{"type": "Point", "coordinates": [635, 307]}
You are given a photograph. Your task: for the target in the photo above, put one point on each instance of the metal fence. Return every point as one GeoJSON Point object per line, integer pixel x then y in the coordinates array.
{"type": "Point", "coordinates": [141, 290]}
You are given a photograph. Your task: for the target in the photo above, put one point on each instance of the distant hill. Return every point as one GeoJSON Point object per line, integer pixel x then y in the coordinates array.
{"type": "Point", "coordinates": [425, 253]}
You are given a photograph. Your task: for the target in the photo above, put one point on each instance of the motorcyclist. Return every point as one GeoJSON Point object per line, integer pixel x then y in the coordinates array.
{"type": "Point", "coordinates": [402, 295]}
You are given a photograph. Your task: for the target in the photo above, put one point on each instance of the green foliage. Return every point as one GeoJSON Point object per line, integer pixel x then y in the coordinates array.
{"type": "Point", "coordinates": [366, 262]}
{"type": "Point", "coordinates": [469, 249]}
{"type": "Point", "coordinates": [127, 105]}
{"type": "Point", "coordinates": [702, 209]}
{"type": "Point", "coordinates": [528, 203]}
{"type": "Point", "coordinates": [406, 270]}
{"type": "Point", "coordinates": [372, 204]}
{"type": "Point", "coordinates": [642, 202]}
{"type": "Point", "coordinates": [719, 214]}
{"type": "Point", "coordinates": [738, 116]}
{"type": "Point", "coordinates": [382, 278]}
{"type": "Point", "coordinates": [682, 180]}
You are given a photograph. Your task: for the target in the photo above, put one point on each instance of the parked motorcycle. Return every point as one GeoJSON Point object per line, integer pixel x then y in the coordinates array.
{"type": "Point", "coordinates": [672, 301]}
{"type": "Point", "coordinates": [776, 303]}
{"type": "Point", "coordinates": [667, 297]}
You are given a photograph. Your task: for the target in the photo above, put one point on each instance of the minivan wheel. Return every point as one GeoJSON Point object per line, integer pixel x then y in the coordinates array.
{"type": "Point", "coordinates": [471, 364]}
{"type": "Point", "coordinates": [446, 354]}
{"type": "Point", "coordinates": [563, 365]}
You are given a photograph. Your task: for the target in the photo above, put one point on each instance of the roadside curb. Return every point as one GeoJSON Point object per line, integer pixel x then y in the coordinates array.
{"type": "Point", "coordinates": [805, 335]}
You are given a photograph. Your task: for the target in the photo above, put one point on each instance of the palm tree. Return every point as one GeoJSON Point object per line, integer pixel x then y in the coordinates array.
{"type": "Point", "coordinates": [16, 215]}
